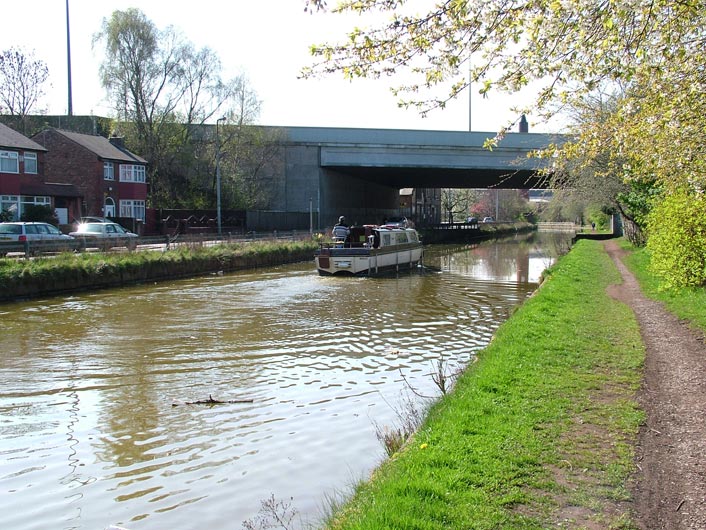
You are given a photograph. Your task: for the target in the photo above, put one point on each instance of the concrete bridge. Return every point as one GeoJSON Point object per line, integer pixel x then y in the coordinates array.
{"type": "Point", "coordinates": [322, 173]}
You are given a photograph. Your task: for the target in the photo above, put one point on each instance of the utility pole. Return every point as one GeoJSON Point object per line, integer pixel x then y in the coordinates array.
{"type": "Point", "coordinates": [218, 176]}
{"type": "Point", "coordinates": [68, 59]}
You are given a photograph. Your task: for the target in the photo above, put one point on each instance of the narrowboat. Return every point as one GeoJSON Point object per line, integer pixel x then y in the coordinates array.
{"type": "Point", "coordinates": [370, 250]}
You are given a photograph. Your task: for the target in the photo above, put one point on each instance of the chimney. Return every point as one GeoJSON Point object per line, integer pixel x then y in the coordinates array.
{"type": "Point", "coordinates": [117, 141]}
{"type": "Point", "coordinates": [524, 126]}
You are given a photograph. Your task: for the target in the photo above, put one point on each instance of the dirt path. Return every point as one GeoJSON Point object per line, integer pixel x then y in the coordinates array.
{"type": "Point", "coordinates": [670, 485]}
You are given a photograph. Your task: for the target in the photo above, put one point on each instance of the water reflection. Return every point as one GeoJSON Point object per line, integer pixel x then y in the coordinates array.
{"type": "Point", "coordinates": [89, 432]}
{"type": "Point", "coordinates": [520, 259]}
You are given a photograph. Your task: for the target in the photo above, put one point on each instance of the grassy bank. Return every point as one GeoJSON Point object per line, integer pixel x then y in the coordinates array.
{"type": "Point", "coordinates": [74, 272]}
{"type": "Point", "coordinates": [537, 433]}
{"type": "Point", "coordinates": [687, 303]}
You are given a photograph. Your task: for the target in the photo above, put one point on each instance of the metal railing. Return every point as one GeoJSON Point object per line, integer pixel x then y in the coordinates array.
{"type": "Point", "coordinates": [29, 249]}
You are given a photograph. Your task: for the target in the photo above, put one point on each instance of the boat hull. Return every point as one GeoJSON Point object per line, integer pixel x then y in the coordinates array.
{"type": "Point", "coordinates": [367, 261]}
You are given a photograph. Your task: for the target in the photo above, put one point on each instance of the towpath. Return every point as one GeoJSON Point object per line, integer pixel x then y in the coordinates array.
{"type": "Point", "coordinates": [670, 485]}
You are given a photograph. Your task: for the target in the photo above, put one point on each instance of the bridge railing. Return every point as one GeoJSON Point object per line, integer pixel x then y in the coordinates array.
{"type": "Point", "coordinates": [454, 226]}
{"type": "Point", "coordinates": [557, 227]}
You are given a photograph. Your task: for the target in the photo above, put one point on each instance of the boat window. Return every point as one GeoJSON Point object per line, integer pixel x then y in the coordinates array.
{"type": "Point", "coordinates": [413, 237]}
{"type": "Point", "coordinates": [386, 240]}
{"type": "Point", "coordinates": [402, 238]}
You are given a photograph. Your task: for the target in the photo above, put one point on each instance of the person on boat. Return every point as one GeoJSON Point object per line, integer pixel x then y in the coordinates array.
{"type": "Point", "coordinates": [340, 230]}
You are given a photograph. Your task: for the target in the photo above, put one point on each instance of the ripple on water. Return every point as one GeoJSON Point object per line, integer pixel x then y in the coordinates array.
{"type": "Point", "coordinates": [89, 434]}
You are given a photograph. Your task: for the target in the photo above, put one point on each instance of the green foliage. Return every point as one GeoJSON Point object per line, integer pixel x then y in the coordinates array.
{"type": "Point", "coordinates": [632, 72]}
{"type": "Point", "coordinates": [677, 238]}
{"type": "Point", "coordinates": [167, 95]}
{"type": "Point", "coordinates": [39, 213]}
{"type": "Point", "coordinates": [596, 214]}
{"type": "Point", "coordinates": [688, 303]}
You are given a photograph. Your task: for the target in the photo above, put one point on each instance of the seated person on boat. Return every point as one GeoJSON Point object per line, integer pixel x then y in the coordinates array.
{"type": "Point", "coordinates": [340, 231]}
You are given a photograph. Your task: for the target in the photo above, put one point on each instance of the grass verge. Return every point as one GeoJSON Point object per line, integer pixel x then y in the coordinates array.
{"type": "Point", "coordinates": [71, 272]}
{"type": "Point", "coordinates": [538, 433]}
{"type": "Point", "coordinates": [688, 303]}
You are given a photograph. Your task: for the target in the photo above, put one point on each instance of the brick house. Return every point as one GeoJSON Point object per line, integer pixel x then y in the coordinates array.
{"type": "Point", "coordinates": [23, 179]}
{"type": "Point", "coordinates": [111, 179]}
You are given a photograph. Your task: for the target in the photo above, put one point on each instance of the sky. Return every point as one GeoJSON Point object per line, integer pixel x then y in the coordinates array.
{"type": "Point", "coordinates": [267, 40]}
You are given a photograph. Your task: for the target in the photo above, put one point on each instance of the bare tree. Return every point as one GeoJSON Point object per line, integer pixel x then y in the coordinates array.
{"type": "Point", "coordinates": [21, 79]}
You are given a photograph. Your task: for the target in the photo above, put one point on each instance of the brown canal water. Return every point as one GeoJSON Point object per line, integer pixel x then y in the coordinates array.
{"type": "Point", "coordinates": [94, 429]}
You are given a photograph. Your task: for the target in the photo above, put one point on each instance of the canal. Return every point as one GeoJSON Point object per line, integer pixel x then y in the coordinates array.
{"type": "Point", "coordinates": [95, 428]}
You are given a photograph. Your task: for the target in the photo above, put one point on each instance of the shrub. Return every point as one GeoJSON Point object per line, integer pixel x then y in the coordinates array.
{"type": "Point", "coordinates": [40, 214]}
{"type": "Point", "coordinates": [6, 215]}
{"type": "Point", "coordinates": [677, 238]}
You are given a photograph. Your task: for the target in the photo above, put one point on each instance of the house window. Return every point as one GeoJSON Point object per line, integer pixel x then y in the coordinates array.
{"type": "Point", "coordinates": [30, 162]}
{"type": "Point", "coordinates": [11, 205]}
{"type": "Point", "coordinates": [132, 173]}
{"type": "Point", "coordinates": [134, 209]}
{"type": "Point", "coordinates": [15, 205]}
{"type": "Point", "coordinates": [37, 201]}
{"type": "Point", "coordinates": [108, 171]}
{"type": "Point", "coordinates": [9, 162]}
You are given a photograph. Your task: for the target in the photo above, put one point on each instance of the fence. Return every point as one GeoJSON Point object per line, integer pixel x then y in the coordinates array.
{"type": "Point", "coordinates": [269, 220]}
{"type": "Point", "coordinates": [29, 249]}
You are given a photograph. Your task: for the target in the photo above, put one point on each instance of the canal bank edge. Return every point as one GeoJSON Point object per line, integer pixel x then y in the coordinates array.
{"type": "Point", "coordinates": [539, 432]}
{"type": "Point", "coordinates": [26, 279]}
{"type": "Point", "coordinates": [462, 233]}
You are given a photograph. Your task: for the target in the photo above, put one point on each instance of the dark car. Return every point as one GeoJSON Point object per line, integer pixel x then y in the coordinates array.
{"type": "Point", "coordinates": [106, 234]}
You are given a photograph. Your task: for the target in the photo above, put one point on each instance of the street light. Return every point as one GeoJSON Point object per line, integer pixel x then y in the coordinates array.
{"type": "Point", "coordinates": [218, 176]}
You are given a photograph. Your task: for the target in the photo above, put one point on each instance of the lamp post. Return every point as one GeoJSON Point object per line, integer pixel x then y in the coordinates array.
{"type": "Point", "coordinates": [218, 176]}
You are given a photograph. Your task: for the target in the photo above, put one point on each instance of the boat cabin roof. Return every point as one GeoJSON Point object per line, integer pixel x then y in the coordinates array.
{"type": "Point", "coordinates": [383, 235]}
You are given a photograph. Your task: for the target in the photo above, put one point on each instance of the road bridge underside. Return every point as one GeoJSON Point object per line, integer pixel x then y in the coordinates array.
{"type": "Point", "coordinates": [361, 180]}
{"type": "Point", "coordinates": [435, 167]}
{"type": "Point", "coordinates": [425, 177]}
{"type": "Point", "coordinates": [359, 200]}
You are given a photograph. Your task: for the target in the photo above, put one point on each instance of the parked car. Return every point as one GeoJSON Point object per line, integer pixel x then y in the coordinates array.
{"type": "Point", "coordinates": [400, 222]}
{"type": "Point", "coordinates": [106, 234]}
{"type": "Point", "coordinates": [488, 220]}
{"type": "Point", "coordinates": [28, 231]}
{"type": "Point", "coordinates": [471, 220]}
{"type": "Point", "coordinates": [91, 219]}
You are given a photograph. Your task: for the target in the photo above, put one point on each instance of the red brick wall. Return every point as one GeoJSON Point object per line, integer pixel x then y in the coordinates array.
{"type": "Point", "coordinates": [69, 163]}
{"type": "Point", "coordinates": [129, 190]}
{"type": "Point", "coordinates": [10, 182]}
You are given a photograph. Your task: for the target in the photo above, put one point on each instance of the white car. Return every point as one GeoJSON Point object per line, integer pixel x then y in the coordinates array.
{"type": "Point", "coordinates": [106, 234]}
{"type": "Point", "coordinates": [399, 222]}
{"type": "Point", "coordinates": [28, 231]}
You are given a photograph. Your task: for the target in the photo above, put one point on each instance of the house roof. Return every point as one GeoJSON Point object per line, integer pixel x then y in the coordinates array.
{"type": "Point", "coordinates": [101, 146]}
{"type": "Point", "coordinates": [10, 138]}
